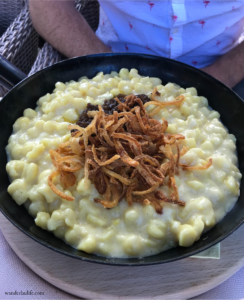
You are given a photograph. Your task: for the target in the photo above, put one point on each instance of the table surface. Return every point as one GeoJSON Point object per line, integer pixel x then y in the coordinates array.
{"type": "Point", "coordinates": [15, 276]}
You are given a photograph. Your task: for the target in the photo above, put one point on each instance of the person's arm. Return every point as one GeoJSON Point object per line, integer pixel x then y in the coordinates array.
{"type": "Point", "coordinates": [59, 23]}
{"type": "Point", "coordinates": [229, 68]}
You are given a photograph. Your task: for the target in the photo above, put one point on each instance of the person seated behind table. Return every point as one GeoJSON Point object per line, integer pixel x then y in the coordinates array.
{"type": "Point", "coordinates": [204, 34]}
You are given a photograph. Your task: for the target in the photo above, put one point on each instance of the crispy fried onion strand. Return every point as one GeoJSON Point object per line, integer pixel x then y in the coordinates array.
{"type": "Point", "coordinates": [177, 101]}
{"type": "Point", "coordinates": [125, 155]}
{"type": "Point", "coordinates": [153, 188]}
{"type": "Point", "coordinates": [192, 168]}
{"type": "Point", "coordinates": [103, 163]}
{"type": "Point", "coordinates": [55, 190]}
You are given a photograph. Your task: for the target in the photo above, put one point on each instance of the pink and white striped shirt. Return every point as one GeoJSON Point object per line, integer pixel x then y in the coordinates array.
{"type": "Point", "coordinates": [195, 32]}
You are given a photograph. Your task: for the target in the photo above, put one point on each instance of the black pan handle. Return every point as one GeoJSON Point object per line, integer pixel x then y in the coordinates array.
{"type": "Point", "coordinates": [9, 74]}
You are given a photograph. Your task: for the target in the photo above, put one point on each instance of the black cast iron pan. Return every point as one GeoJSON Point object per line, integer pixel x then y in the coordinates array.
{"type": "Point", "coordinates": [26, 93]}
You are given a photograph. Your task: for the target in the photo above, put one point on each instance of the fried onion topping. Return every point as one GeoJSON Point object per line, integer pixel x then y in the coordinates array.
{"type": "Point", "coordinates": [125, 155]}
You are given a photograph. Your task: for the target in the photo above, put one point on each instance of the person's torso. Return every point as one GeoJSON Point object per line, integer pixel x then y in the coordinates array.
{"type": "Point", "coordinates": [192, 31]}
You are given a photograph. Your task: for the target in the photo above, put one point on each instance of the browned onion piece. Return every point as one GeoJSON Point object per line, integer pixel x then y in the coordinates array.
{"type": "Point", "coordinates": [103, 163]}
{"type": "Point", "coordinates": [67, 179]}
{"type": "Point", "coordinates": [134, 144]}
{"type": "Point", "coordinates": [119, 177]}
{"type": "Point", "coordinates": [146, 191]}
{"type": "Point", "coordinates": [100, 183]}
{"type": "Point", "coordinates": [192, 168]}
{"type": "Point", "coordinates": [124, 155]}
{"type": "Point", "coordinates": [55, 190]}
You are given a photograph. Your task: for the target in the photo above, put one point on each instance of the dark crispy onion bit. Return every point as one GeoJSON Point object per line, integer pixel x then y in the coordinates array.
{"type": "Point", "coordinates": [67, 179]}
{"type": "Point", "coordinates": [157, 205]}
{"type": "Point", "coordinates": [103, 159]}
{"type": "Point", "coordinates": [160, 196]}
{"type": "Point", "coordinates": [84, 119]}
{"type": "Point", "coordinates": [96, 168]}
{"type": "Point", "coordinates": [112, 194]}
{"type": "Point", "coordinates": [149, 159]}
{"type": "Point", "coordinates": [124, 155]}
{"type": "Point", "coordinates": [129, 198]}
{"type": "Point", "coordinates": [122, 106]}
{"type": "Point", "coordinates": [100, 183]}
{"type": "Point", "coordinates": [146, 191]}
{"type": "Point", "coordinates": [177, 163]}
{"type": "Point", "coordinates": [133, 101]}
{"type": "Point", "coordinates": [151, 172]}
{"type": "Point", "coordinates": [145, 174]}
{"type": "Point", "coordinates": [133, 143]}
{"type": "Point", "coordinates": [158, 177]}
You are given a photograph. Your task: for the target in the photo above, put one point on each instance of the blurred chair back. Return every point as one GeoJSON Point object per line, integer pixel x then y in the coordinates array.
{"type": "Point", "coordinates": [19, 42]}
{"type": "Point", "coordinates": [9, 10]}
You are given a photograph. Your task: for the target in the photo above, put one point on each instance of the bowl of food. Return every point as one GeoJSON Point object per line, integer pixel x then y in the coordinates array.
{"type": "Point", "coordinates": [123, 159]}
